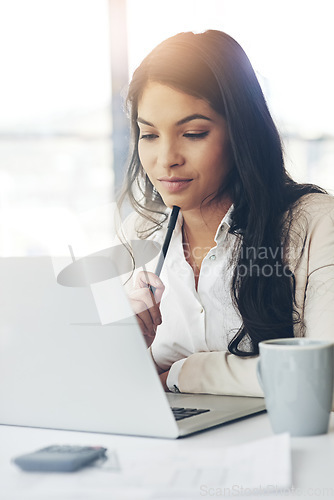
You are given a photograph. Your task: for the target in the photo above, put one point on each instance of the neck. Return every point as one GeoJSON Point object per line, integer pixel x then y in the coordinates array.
{"type": "Point", "coordinates": [199, 229]}
{"type": "Point", "coordinates": [201, 225]}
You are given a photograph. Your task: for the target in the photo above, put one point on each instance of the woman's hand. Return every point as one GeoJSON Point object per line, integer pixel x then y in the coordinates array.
{"type": "Point", "coordinates": [146, 305]}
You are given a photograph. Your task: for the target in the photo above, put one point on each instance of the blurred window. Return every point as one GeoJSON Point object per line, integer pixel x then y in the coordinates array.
{"type": "Point", "coordinates": [55, 123]}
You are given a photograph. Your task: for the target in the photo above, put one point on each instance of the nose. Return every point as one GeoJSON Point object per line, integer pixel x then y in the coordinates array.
{"type": "Point", "coordinates": [169, 154]}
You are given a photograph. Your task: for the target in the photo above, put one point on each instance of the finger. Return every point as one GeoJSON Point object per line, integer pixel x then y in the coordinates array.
{"type": "Point", "coordinates": [146, 278]}
{"type": "Point", "coordinates": [141, 324]}
{"type": "Point", "coordinates": [151, 316]}
{"type": "Point", "coordinates": [146, 318]}
{"type": "Point", "coordinates": [143, 304]}
{"type": "Point", "coordinates": [144, 298]}
{"type": "Point", "coordinates": [154, 310]}
{"type": "Point", "coordinates": [148, 336]}
{"type": "Point", "coordinates": [147, 327]}
{"type": "Point", "coordinates": [158, 292]}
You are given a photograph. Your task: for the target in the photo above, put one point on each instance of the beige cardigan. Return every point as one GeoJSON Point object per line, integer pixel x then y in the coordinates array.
{"type": "Point", "coordinates": [310, 252]}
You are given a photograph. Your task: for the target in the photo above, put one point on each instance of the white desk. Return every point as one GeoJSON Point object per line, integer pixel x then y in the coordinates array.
{"type": "Point", "coordinates": [312, 460]}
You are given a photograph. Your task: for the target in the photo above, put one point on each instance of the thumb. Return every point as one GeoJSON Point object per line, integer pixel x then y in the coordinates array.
{"type": "Point", "coordinates": [148, 279]}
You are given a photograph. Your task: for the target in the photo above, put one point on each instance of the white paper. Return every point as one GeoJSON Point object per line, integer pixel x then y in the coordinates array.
{"type": "Point", "coordinates": [262, 466]}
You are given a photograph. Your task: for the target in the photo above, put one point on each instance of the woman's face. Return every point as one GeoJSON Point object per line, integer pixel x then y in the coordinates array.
{"type": "Point", "coordinates": [183, 146]}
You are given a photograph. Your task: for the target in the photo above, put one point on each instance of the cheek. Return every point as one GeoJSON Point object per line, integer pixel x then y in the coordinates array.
{"type": "Point", "coordinates": [218, 165]}
{"type": "Point", "coordinates": [145, 161]}
{"type": "Point", "coordinates": [140, 152]}
{"type": "Point", "coordinates": [144, 156]}
{"type": "Point", "coordinates": [215, 158]}
{"type": "Point", "coordinates": [221, 156]}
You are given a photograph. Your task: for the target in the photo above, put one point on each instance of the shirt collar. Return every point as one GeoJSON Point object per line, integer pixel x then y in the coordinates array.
{"type": "Point", "coordinates": [225, 224]}
{"type": "Point", "coordinates": [222, 229]}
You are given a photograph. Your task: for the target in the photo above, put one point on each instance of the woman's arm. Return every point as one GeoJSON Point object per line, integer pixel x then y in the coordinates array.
{"type": "Point", "coordinates": [319, 304]}
{"type": "Point", "coordinates": [314, 274]}
{"type": "Point", "coordinates": [220, 373]}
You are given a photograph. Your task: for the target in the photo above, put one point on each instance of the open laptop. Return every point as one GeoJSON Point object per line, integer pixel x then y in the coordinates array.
{"type": "Point", "coordinates": [61, 368]}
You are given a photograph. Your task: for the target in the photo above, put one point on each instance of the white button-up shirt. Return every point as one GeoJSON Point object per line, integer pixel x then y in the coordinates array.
{"type": "Point", "coordinates": [201, 320]}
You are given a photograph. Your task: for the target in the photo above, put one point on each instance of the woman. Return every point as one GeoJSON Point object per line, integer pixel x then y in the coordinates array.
{"type": "Point", "coordinates": [252, 255]}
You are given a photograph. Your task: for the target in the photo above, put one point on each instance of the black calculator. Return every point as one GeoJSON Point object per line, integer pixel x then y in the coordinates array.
{"type": "Point", "coordinates": [60, 458]}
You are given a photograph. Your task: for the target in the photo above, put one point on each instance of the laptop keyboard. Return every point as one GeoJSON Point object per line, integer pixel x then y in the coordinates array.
{"type": "Point", "coordinates": [181, 413]}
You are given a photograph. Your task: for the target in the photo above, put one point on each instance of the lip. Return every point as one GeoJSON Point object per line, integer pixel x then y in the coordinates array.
{"type": "Point", "coordinates": [174, 184]}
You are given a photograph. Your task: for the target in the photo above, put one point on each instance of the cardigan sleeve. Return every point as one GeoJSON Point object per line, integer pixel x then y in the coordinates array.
{"type": "Point", "coordinates": [319, 291]}
{"type": "Point", "coordinates": [220, 373]}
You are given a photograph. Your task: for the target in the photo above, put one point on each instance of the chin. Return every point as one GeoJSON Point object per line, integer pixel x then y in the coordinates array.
{"type": "Point", "coordinates": [181, 202]}
{"type": "Point", "coordinates": [170, 203]}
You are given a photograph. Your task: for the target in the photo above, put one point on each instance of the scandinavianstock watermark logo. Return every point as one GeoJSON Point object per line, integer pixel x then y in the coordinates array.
{"type": "Point", "coordinates": [237, 490]}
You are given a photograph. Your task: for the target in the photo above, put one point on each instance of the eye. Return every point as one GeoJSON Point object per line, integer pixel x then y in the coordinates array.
{"type": "Point", "coordinates": [196, 135]}
{"type": "Point", "coordinates": [148, 137]}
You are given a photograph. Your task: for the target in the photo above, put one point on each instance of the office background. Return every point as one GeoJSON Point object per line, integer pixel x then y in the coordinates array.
{"type": "Point", "coordinates": [65, 65]}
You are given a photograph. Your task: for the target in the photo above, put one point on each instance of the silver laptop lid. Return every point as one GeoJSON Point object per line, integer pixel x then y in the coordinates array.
{"type": "Point", "coordinates": [60, 367]}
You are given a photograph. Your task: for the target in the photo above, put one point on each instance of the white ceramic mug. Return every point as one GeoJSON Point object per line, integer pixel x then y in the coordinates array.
{"type": "Point", "coordinates": [296, 375]}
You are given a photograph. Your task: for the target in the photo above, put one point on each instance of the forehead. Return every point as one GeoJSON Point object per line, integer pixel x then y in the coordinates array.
{"type": "Point", "coordinates": [159, 100]}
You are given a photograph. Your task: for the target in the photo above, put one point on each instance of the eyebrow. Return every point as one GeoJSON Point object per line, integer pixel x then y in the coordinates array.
{"type": "Point", "coordinates": [180, 122]}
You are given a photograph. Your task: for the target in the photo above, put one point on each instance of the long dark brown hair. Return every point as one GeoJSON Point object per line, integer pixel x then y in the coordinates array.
{"type": "Point", "coordinates": [213, 66]}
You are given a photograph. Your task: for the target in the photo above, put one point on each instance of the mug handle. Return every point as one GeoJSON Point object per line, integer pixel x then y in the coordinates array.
{"type": "Point", "coordinates": [258, 373]}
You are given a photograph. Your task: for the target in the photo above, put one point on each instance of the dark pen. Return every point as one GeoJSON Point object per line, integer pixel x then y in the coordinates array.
{"type": "Point", "coordinates": [163, 253]}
